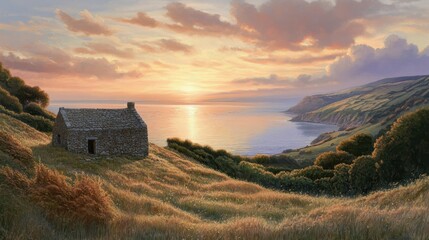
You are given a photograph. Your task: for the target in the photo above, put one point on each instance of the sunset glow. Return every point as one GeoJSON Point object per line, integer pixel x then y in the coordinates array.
{"type": "Point", "coordinates": [198, 51]}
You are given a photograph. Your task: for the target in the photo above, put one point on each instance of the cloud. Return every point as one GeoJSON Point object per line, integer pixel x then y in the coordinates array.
{"type": "Point", "coordinates": [193, 21]}
{"type": "Point", "coordinates": [298, 24]}
{"type": "Point", "coordinates": [141, 19]}
{"type": "Point", "coordinates": [51, 60]}
{"type": "Point", "coordinates": [288, 60]}
{"type": "Point", "coordinates": [365, 63]}
{"type": "Point", "coordinates": [88, 24]}
{"type": "Point", "coordinates": [105, 48]}
{"type": "Point", "coordinates": [292, 25]}
{"type": "Point", "coordinates": [165, 45]}
{"type": "Point", "coordinates": [361, 64]}
{"type": "Point", "coordinates": [274, 80]}
{"type": "Point", "coordinates": [174, 45]}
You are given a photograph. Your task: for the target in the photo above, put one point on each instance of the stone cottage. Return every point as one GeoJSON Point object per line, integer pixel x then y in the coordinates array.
{"type": "Point", "coordinates": [101, 131]}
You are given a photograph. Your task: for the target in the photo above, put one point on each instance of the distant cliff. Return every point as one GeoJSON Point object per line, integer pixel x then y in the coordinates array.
{"type": "Point", "coordinates": [376, 102]}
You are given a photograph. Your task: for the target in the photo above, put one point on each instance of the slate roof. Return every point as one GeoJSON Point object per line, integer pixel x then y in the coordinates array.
{"type": "Point", "coordinates": [101, 119]}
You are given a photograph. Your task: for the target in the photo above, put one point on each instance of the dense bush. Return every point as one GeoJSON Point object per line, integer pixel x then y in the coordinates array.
{"type": "Point", "coordinates": [256, 173]}
{"type": "Point", "coordinates": [358, 145]}
{"type": "Point", "coordinates": [36, 110]}
{"type": "Point", "coordinates": [14, 94]}
{"type": "Point", "coordinates": [37, 122]}
{"type": "Point", "coordinates": [403, 152]}
{"type": "Point", "coordinates": [340, 182]}
{"type": "Point", "coordinates": [328, 160]}
{"type": "Point", "coordinates": [17, 87]}
{"type": "Point", "coordinates": [363, 174]}
{"type": "Point", "coordinates": [312, 172]}
{"type": "Point", "coordinates": [9, 102]}
{"type": "Point", "coordinates": [283, 161]}
{"type": "Point", "coordinates": [296, 184]}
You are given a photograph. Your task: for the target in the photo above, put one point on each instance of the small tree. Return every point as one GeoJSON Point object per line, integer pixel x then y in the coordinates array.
{"type": "Point", "coordinates": [363, 174]}
{"type": "Point", "coordinates": [403, 152]}
{"type": "Point", "coordinates": [328, 160]}
{"type": "Point", "coordinates": [358, 145]}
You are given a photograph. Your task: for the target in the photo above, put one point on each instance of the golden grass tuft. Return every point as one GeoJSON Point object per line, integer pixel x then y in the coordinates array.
{"type": "Point", "coordinates": [84, 201]}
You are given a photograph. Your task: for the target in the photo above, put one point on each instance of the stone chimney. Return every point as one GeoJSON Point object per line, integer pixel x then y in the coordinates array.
{"type": "Point", "coordinates": [131, 105]}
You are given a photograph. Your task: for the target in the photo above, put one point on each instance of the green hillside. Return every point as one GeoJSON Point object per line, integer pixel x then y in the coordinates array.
{"type": "Point", "coordinates": [167, 195]}
{"type": "Point", "coordinates": [379, 102]}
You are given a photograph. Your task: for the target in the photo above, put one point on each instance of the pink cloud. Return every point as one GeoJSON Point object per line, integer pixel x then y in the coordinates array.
{"type": "Point", "coordinates": [298, 24]}
{"type": "Point", "coordinates": [141, 19]}
{"type": "Point", "coordinates": [193, 21]}
{"type": "Point", "coordinates": [293, 24]}
{"type": "Point", "coordinates": [88, 24]}
{"type": "Point", "coordinates": [51, 60]}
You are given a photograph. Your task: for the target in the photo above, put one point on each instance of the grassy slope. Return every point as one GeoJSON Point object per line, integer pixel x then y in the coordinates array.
{"type": "Point", "coordinates": [371, 108]}
{"type": "Point", "coordinates": [169, 196]}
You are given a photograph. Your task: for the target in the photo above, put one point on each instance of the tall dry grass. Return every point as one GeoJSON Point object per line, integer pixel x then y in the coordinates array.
{"type": "Point", "coordinates": [83, 201]}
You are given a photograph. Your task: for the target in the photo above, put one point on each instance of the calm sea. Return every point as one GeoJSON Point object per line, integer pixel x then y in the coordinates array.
{"type": "Point", "coordinates": [242, 128]}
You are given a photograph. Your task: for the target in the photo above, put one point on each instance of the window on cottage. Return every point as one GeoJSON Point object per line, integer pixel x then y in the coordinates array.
{"type": "Point", "coordinates": [59, 139]}
{"type": "Point", "coordinates": [91, 146]}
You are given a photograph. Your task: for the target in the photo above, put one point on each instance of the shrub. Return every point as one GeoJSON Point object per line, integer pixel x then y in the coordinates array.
{"type": "Point", "coordinates": [83, 202]}
{"type": "Point", "coordinates": [297, 184]}
{"type": "Point", "coordinates": [256, 173]}
{"type": "Point", "coordinates": [328, 160]}
{"type": "Point", "coordinates": [286, 161]}
{"type": "Point", "coordinates": [363, 174]}
{"type": "Point", "coordinates": [312, 172]}
{"type": "Point", "coordinates": [9, 102]}
{"type": "Point", "coordinates": [358, 145]}
{"type": "Point", "coordinates": [403, 152]}
{"type": "Point", "coordinates": [36, 110]}
{"type": "Point", "coordinates": [341, 179]}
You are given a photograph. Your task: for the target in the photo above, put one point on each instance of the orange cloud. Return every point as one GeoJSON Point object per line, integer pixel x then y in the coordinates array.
{"type": "Point", "coordinates": [105, 48]}
{"type": "Point", "coordinates": [88, 24]}
{"type": "Point", "coordinates": [174, 45]}
{"type": "Point", "coordinates": [165, 45]}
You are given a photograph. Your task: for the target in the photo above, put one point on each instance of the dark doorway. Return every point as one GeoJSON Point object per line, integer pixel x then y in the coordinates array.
{"type": "Point", "coordinates": [91, 146]}
{"type": "Point", "coordinates": [59, 139]}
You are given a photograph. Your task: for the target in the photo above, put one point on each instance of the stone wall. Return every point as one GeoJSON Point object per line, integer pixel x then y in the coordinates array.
{"type": "Point", "coordinates": [59, 132]}
{"type": "Point", "coordinates": [110, 141]}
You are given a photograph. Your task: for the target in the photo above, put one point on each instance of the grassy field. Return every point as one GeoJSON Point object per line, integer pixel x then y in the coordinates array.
{"type": "Point", "coordinates": [170, 196]}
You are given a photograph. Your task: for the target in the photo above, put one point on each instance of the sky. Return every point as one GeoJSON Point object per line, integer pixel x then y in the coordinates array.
{"type": "Point", "coordinates": [195, 51]}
